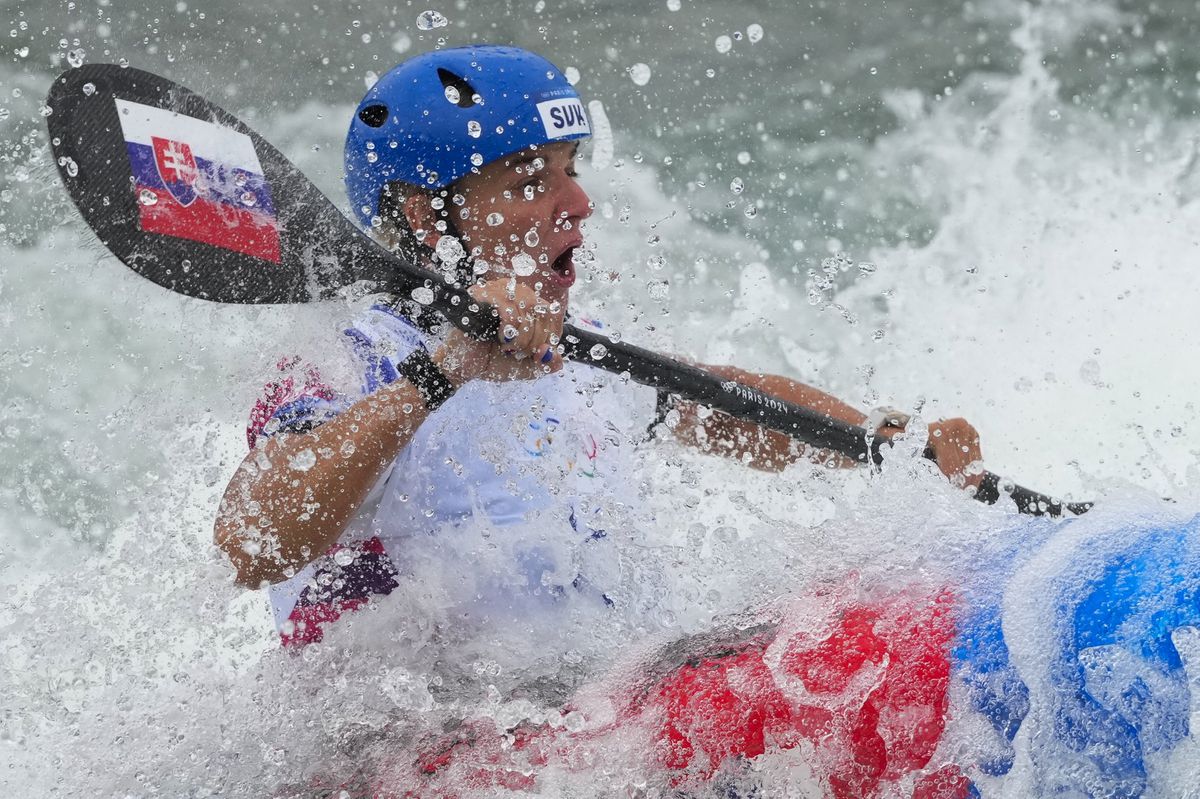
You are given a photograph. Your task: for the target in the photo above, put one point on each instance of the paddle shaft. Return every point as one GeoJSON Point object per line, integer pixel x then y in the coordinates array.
{"type": "Point", "coordinates": [698, 385]}
{"type": "Point", "coordinates": [317, 252]}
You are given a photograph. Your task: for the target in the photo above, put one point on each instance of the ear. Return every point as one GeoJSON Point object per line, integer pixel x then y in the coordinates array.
{"type": "Point", "coordinates": [421, 216]}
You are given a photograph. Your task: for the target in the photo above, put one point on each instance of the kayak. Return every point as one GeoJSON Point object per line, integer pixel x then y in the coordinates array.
{"type": "Point", "coordinates": [1058, 670]}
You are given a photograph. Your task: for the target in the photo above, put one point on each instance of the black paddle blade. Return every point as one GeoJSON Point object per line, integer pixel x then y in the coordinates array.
{"type": "Point", "coordinates": [194, 200]}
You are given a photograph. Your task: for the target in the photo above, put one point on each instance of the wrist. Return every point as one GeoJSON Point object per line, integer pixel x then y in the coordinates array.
{"type": "Point", "coordinates": [427, 376]}
{"type": "Point", "coordinates": [453, 365]}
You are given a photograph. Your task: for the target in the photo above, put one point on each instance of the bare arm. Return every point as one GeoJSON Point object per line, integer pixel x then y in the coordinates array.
{"type": "Point", "coordinates": [757, 446]}
{"type": "Point", "coordinates": [292, 497]}
{"type": "Point", "coordinates": [955, 443]}
{"type": "Point", "coordinates": [276, 515]}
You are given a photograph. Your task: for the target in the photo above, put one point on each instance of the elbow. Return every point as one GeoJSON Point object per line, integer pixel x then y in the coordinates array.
{"type": "Point", "coordinates": [251, 568]}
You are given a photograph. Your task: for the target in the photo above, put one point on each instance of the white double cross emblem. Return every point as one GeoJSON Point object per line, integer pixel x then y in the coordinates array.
{"type": "Point", "coordinates": [177, 161]}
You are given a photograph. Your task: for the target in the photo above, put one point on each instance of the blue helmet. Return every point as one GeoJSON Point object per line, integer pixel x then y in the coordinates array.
{"type": "Point", "coordinates": [441, 115]}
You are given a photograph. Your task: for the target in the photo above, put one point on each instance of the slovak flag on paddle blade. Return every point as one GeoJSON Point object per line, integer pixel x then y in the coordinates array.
{"type": "Point", "coordinates": [200, 181]}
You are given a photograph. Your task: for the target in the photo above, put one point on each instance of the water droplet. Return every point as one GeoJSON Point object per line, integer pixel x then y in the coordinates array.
{"type": "Point", "coordinates": [70, 166]}
{"type": "Point", "coordinates": [343, 557]}
{"type": "Point", "coordinates": [754, 33]}
{"type": "Point", "coordinates": [303, 461]}
{"type": "Point", "coordinates": [437, 203]}
{"type": "Point", "coordinates": [428, 20]}
{"type": "Point", "coordinates": [422, 294]}
{"type": "Point", "coordinates": [248, 199]}
{"type": "Point", "coordinates": [724, 44]}
{"type": "Point", "coordinates": [452, 95]}
{"type": "Point", "coordinates": [737, 186]}
{"type": "Point", "coordinates": [523, 265]}
{"type": "Point", "coordinates": [494, 219]}
{"type": "Point", "coordinates": [89, 89]}
{"type": "Point", "coordinates": [75, 57]}
{"type": "Point", "coordinates": [598, 351]}
{"type": "Point", "coordinates": [3, 114]}
{"type": "Point", "coordinates": [474, 129]}
{"type": "Point", "coordinates": [147, 197]}
{"type": "Point", "coordinates": [743, 158]}
{"type": "Point", "coordinates": [572, 75]}
{"type": "Point", "coordinates": [372, 157]}
{"type": "Point", "coordinates": [531, 238]}
{"type": "Point", "coordinates": [751, 211]}
{"type": "Point", "coordinates": [46, 110]}
{"type": "Point", "coordinates": [185, 265]}
{"type": "Point", "coordinates": [476, 159]}
{"type": "Point", "coordinates": [529, 192]}
{"type": "Point", "coordinates": [657, 290]}
{"type": "Point", "coordinates": [639, 73]}
{"type": "Point", "coordinates": [449, 250]}
{"type": "Point", "coordinates": [866, 267]}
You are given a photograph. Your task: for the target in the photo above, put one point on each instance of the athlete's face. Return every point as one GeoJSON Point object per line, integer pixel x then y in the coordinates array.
{"type": "Point", "coordinates": [522, 218]}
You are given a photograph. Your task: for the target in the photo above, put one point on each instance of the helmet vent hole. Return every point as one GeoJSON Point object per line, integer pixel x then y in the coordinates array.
{"type": "Point", "coordinates": [374, 115]}
{"type": "Point", "coordinates": [466, 92]}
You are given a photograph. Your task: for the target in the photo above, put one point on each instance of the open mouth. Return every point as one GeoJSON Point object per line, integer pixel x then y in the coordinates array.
{"type": "Point", "coordinates": [562, 268]}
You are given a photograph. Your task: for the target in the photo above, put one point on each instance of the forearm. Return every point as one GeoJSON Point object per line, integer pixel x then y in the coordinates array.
{"type": "Point", "coordinates": [795, 392]}
{"type": "Point", "coordinates": [292, 497]}
{"type": "Point", "coordinates": [754, 445]}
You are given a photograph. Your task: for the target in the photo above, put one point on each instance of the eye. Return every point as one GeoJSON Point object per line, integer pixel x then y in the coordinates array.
{"type": "Point", "coordinates": [530, 187]}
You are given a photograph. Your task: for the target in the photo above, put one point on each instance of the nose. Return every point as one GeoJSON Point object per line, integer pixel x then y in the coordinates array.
{"type": "Point", "coordinates": [573, 203]}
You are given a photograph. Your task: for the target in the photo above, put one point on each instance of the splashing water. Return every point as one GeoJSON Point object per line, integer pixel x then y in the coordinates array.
{"type": "Point", "coordinates": [1009, 217]}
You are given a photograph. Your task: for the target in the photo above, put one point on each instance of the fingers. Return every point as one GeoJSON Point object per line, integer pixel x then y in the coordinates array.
{"type": "Point", "coordinates": [528, 332]}
{"type": "Point", "coordinates": [955, 445]}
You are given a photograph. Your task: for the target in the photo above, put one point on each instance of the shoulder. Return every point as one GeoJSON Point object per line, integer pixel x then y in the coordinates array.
{"type": "Point", "coordinates": [297, 397]}
{"type": "Point", "coordinates": [386, 326]}
{"type": "Point", "coordinates": [301, 393]}
{"type": "Point", "coordinates": [380, 338]}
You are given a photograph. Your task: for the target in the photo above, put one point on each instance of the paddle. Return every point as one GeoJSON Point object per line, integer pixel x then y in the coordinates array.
{"type": "Point", "coordinates": [254, 229]}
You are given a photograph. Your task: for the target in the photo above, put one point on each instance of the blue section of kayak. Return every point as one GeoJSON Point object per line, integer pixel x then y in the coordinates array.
{"type": "Point", "coordinates": [1118, 686]}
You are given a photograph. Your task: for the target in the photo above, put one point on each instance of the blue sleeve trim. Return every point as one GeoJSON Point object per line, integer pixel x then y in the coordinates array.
{"type": "Point", "coordinates": [301, 415]}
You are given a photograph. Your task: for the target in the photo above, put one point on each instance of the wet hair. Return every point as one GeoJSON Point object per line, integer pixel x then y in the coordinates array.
{"type": "Point", "coordinates": [394, 228]}
{"type": "Point", "coordinates": [397, 235]}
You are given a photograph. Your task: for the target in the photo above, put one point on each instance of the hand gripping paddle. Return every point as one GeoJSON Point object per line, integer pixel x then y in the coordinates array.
{"type": "Point", "coordinates": [189, 197]}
